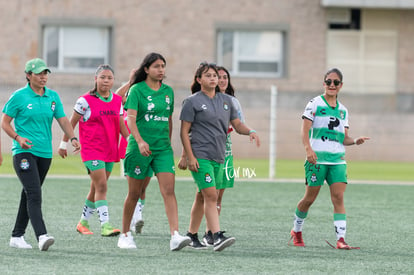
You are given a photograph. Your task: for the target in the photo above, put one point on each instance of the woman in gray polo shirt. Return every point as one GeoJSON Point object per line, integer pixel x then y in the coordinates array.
{"type": "Point", "coordinates": [207, 114]}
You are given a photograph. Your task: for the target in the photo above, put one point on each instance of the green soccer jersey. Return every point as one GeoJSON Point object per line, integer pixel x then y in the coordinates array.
{"type": "Point", "coordinates": [154, 109]}
{"type": "Point", "coordinates": [33, 116]}
{"type": "Point", "coordinates": [328, 130]}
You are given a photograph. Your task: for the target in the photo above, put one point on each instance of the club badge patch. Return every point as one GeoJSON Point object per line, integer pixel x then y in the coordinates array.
{"type": "Point", "coordinates": [53, 106]}
{"type": "Point", "coordinates": [314, 178]}
{"type": "Point", "coordinates": [342, 114]}
{"type": "Point", "coordinates": [24, 164]}
{"type": "Point", "coordinates": [168, 101]}
{"type": "Point", "coordinates": [225, 106]}
{"type": "Point", "coordinates": [95, 163]}
{"type": "Point", "coordinates": [137, 170]}
{"type": "Point", "coordinates": [208, 178]}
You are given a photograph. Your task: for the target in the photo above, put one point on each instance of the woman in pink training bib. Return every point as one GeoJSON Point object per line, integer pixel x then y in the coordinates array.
{"type": "Point", "coordinates": [99, 113]}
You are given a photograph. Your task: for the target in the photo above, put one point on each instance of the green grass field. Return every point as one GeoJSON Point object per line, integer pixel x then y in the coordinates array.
{"type": "Point", "coordinates": [258, 214]}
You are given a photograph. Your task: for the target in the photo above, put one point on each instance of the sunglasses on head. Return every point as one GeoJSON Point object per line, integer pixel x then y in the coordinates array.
{"type": "Point", "coordinates": [336, 82]}
{"type": "Point", "coordinates": [207, 64]}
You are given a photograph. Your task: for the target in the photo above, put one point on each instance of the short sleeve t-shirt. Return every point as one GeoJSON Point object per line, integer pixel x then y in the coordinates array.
{"type": "Point", "coordinates": [33, 116]}
{"type": "Point", "coordinates": [210, 118]}
{"type": "Point", "coordinates": [328, 130]}
{"type": "Point", "coordinates": [154, 109]}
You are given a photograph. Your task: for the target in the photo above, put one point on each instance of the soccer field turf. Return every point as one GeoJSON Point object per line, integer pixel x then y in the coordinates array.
{"type": "Point", "coordinates": [258, 214]}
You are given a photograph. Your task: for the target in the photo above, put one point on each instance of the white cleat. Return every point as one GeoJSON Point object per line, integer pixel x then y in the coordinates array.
{"type": "Point", "coordinates": [19, 242]}
{"type": "Point", "coordinates": [178, 242]}
{"type": "Point", "coordinates": [126, 241]}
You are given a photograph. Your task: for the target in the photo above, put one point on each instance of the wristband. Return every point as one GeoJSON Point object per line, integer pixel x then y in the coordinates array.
{"type": "Point", "coordinates": [16, 136]}
{"type": "Point", "coordinates": [252, 131]}
{"type": "Point", "coordinates": [355, 140]}
{"type": "Point", "coordinates": [63, 145]}
{"type": "Point", "coordinates": [74, 138]}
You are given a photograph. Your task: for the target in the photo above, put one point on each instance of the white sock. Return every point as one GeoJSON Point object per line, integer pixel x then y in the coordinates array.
{"type": "Point", "coordinates": [103, 214]}
{"type": "Point", "coordinates": [87, 212]}
{"type": "Point", "coordinates": [137, 213]}
{"type": "Point", "coordinates": [340, 229]}
{"type": "Point", "coordinates": [298, 224]}
{"type": "Point", "coordinates": [141, 209]}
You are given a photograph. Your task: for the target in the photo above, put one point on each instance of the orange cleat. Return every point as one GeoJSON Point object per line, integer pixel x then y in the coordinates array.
{"type": "Point", "coordinates": [341, 244]}
{"type": "Point", "coordinates": [297, 238]}
{"type": "Point", "coordinates": [83, 228]}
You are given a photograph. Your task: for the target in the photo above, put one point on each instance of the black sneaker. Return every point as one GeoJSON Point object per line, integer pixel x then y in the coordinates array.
{"type": "Point", "coordinates": [221, 241]}
{"type": "Point", "coordinates": [208, 239]}
{"type": "Point", "coordinates": [195, 242]}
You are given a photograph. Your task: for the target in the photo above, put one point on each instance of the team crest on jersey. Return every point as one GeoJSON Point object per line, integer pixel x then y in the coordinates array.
{"type": "Point", "coordinates": [225, 106]}
{"type": "Point", "coordinates": [168, 101]}
{"type": "Point", "coordinates": [137, 170]}
{"type": "Point", "coordinates": [53, 106]}
{"type": "Point", "coordinates": [150, 106]}
{"type": "Point", "coordinates": [207, 178]}
{"type": "Point", "coordinates": [95, 163]}
{"type": "Point", "coordinates": [314, 178]}
{"type": "Point", "coordinates": [24, 164]}
{"type": "Point", "coordinates": [342, 114]}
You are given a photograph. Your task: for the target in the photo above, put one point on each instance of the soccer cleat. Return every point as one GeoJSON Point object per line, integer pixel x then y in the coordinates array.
{"type": "Point", "coordinates": [341, 244]}
{"type": "Point", "coordinates": [19, 242]}
{"type": "Point", "coordinates": [195, 242]}
{"type": "Point", "coordinates": [138, 226]}
{"type": "Point", "coordinates": [178, 242]}
{"type": "Point", "coordinates": [126, 241]}
{"type": "Point", "coordinates": [108, 231]}
{"type": "Point", "coordinates": [208, 238]}
{"type": "Point", "coordinates": [83, 228]}
{"type": "Point", "coordinates": [45, 241]}
{"type": "Point", "coordinates": [221, 241]}
{"type": "Point", "coordinates": [297, 238]}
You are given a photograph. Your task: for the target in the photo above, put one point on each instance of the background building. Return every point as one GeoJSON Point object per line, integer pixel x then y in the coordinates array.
{"type": "Point", "coordinates": [287, 43]}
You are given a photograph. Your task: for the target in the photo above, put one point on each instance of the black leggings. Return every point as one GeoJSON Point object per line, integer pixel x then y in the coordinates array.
{"type": "Point", "coordinates": [31, 170]}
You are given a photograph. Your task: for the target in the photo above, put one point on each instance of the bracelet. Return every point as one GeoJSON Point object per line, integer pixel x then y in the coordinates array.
{"type": "Point", "coordinates": [74, 138]}
{"type": "Point", "coordinates": [16, 136]}
{"type": "Point", "coordinates": [63, 145]}
{"type": "Point", "coordinates": [252, 131]}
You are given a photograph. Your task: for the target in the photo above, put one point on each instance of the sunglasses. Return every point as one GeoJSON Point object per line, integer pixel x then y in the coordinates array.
{"type": "Point", "coordinates": [336, 82]}
{"type": "Point", "coordinates": [207, 64]}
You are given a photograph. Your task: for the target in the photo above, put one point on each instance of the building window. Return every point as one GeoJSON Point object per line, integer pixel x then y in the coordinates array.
{"type": "Point", "coordinates": [368, 57]}
{"type": "Point", "coordinates": [344, 19]}
{"type": "Point", "coordinates": [76, 48]}
{"type": "Point", "coordinates": [251, 53]}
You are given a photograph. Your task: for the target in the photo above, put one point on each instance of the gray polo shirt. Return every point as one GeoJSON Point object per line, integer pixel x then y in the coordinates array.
{"type": "Point", "coordinates": [210, 118]}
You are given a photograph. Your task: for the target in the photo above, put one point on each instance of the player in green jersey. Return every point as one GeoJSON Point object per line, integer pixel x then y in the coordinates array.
{"type": "Point", "coordinates": [324, 135]}
{"type": "Point", "coordinates": [149, 105]}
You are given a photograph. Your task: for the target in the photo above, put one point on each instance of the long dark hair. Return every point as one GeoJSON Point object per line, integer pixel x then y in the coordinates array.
{"type": "Point", "coordinates": [140, 74]}
{"type": "Point", "coordinates": [229, 89]}
{"type": "Point", "coordinates": [204, 67]}
{"type": "Point", "coordinates": [100, 68]}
